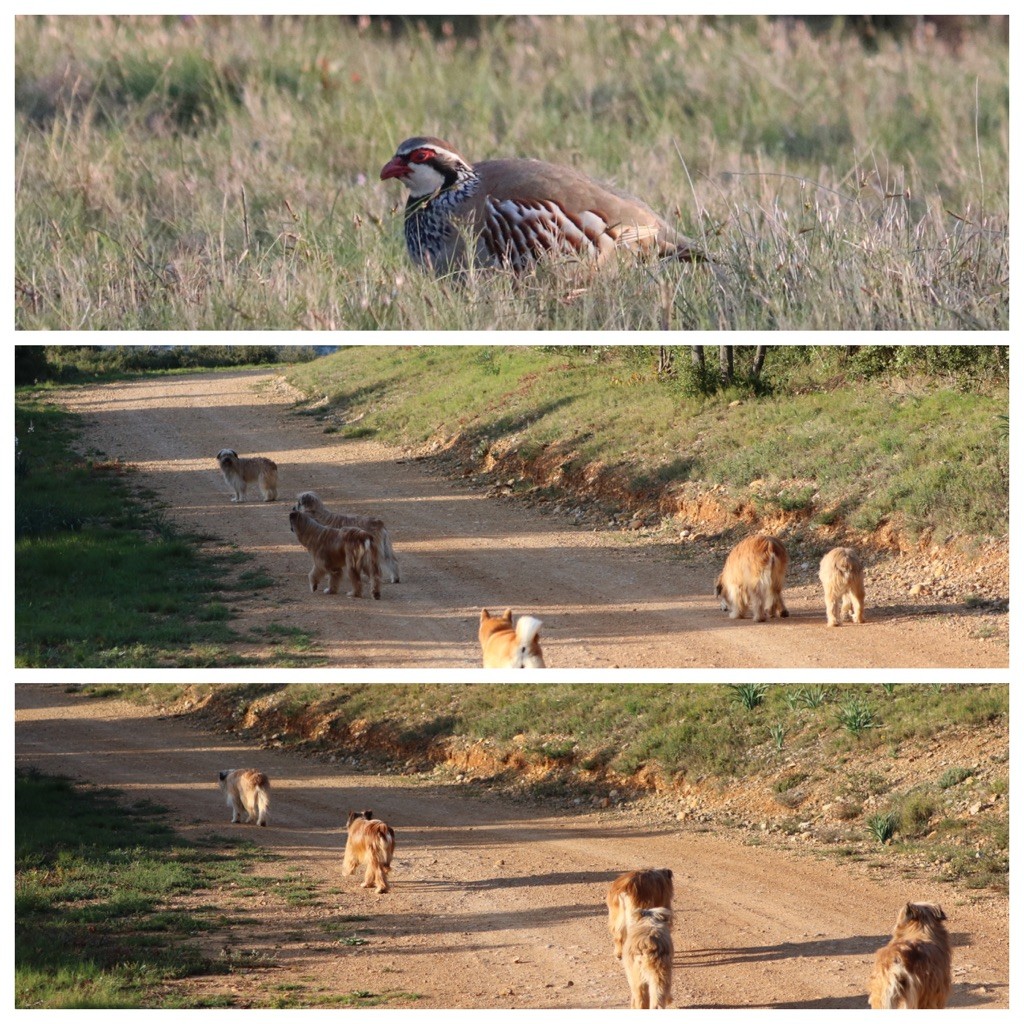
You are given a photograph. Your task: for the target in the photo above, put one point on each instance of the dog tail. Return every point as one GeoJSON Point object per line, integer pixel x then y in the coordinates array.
{"type": "Point", "coordinates": [262, 784]}
{"type": "Point", "coordinates": [387, 555]}
{"type": "Point", "coordinates": [371, 562]}
{"type": "Point", "coordinates": [527, 629]}
{"type": "Point", "coordinates": [900, 991]}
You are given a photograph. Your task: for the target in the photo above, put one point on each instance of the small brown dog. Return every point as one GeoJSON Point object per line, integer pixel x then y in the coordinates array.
{"type": "Point", "coordinates": [372, 843]}
{"type": "Point", "coordinates": [752, 579]}
{"type": "Point", "coordinates": [309, 502]}
{"type": "Point", "coordinates": [239, 473]}
{"type": "Point", "coordinates": [647, 958]}
{"type": "Point", "coordinates": [635, 890]}
{"type": "Point", "coordinates": [248, 790]}
{"type": "Point", "coordinates": [914, 971]}
{"type": "Point", "coordinates": [335, 552]}
{"type": "Point", "coordinates": [842, 575]}
{"type": "Point", "coordinates": [510, 646]}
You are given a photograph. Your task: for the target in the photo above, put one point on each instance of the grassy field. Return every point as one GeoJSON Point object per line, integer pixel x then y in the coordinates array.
{"type": "Point", "coordinates": [835, 755]}
{"type": "Point", "coordinates": [850, 441]}
{"type": "Point", "coordinates": [85, 536]}
{"type": "Point", "coordinates": [222, 173]}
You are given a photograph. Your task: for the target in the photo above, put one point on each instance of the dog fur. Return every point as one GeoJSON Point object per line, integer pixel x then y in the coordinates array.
{"type": "Point", "coordinates": [239, 473]}
{"type": "Point", "coordinates": [310, 503]}
{"type": "Point", "coordinates": [248, 790]}
{"type": "Point", "coordinates": [914, 971]}
{"type": "Point", "coordinates": [752, 579]}
{"type": "Point", "coordinates": [635, 890]}
{"type": "Point", "coordinates": [647, 958]}
{"type": "Point", "coordinates": [370, 842]}
{"type": "Point", "coordinates": [337, 551]}
{"type": "Point", "coordinates": [510, 646]}
{"type": "Point", "coordinates": [842, 575]}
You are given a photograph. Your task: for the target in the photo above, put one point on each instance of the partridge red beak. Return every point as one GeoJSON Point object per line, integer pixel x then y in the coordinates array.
{"type": "Point", "coordinates": [396, 167]}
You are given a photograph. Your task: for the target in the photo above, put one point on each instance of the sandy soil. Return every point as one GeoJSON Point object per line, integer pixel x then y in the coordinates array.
{"type": "Point", "coordinates": [606, 601]}
{"type": "Point", "coordinates": [494, 906]}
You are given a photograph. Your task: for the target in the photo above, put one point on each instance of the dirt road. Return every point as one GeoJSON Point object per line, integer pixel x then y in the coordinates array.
{"type": "Point", "coordinates": [605, 600]}
{"type": "Point", "coordinates": [492, 906]}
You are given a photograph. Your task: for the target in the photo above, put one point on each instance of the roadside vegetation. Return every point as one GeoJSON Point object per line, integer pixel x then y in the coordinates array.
{"type": "Point", "coordinates": [200, 172]}
{"type": "Point", "coordinates": [102, 578]}
{"type": "Point", "coordinates": [835, 439]}
{"type": "Point", "coordinates": [823, 762]}
{"type": "Point", "coordinates": [99, 891]}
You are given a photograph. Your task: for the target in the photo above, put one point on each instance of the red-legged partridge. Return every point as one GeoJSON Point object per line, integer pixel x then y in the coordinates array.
{"type": "Point", "coordinates": [514, 211]}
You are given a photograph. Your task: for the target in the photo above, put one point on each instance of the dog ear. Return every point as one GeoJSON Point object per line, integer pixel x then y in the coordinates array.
{"type": "Point", "coordinates": [368, 815]}
{"type": "Point", "coordinates": [507, 614]}
{"type": "Point", "coordinates": [222, 775]}
{"type": "Point", "coordinates": [484, 615]}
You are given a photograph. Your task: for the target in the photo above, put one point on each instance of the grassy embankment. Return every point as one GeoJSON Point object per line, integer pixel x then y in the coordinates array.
{"type": "Point", "coordinates": [102, 579]}
{"type": "Point", "coordinates": [111, 908]}
{"type": "Point", "coordinates": [831, 763]}
{"type": "Point", "coordinates": [222, 173]}
{"type": "Point", "coordinates": [844, 443]}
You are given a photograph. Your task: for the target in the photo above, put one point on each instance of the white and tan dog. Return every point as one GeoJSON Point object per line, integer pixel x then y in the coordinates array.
{"type": "Point", "coordinates": [336, 551]}
{"type": "Point", "coordinates": [914, 971]}
{"type": "Point", "coordinates": [310, 503]}
{"type": "Point", "coordinates": [752, 579]}
{"type": "Point", "coordinates": [647, 958]}
{"type": "Point", "coordinates": [506, 645]}
{"type": "Point", "coordinates": [842, 575]}
{"type": "Point", "coordinates": [370, 842]}
{"type": "Point", "coordinates": [635, 890]}
{"type": "Point", "coordinates": [239, 473]}
{"type": "Point", "coordinates": [248, 791]}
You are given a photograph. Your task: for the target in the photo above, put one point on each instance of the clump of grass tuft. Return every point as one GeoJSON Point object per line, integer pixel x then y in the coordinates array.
{"type": "Point", "coordinates": [883, 826]}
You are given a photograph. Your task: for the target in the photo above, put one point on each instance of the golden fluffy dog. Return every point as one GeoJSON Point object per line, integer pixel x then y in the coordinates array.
{"type": "Point", "coordinates": [310, 503]}
{"type": "Point", "coordinates": [335, 552]}
{"type": "Point", "coordinates": [842, 575]}
{"type": "Point", "coordinates": [752, 579]}
{"type": "Point", "coordinates": [510, 646]}
{"type": "Point", "coordinates": [914, 971]}
{"type": "Point", "coordinates": [647, 958]}
{"type": "Point", "coordinates": [239, 473]}
{"type": "Point", "coordinates": [247, 790]}
{"type": "Point", "coordinates": [635, 890]}
{"type": "Point", "coordinates": [372, 843]}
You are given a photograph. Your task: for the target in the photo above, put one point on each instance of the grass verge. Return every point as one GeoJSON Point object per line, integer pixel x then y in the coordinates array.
{"type": "Point", "coordinates": [99, 888]}
{"type": "Point", "coordinates": [102, 579]}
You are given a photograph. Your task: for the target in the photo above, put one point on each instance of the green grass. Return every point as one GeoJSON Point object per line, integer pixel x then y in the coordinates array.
{"type": "Point", "coordinates": [838, 186]}
{"type": "Point", "coordinates": [860, 438]}
{"type": "Point", "coordinates": [102, 578]}
{"type": "Point", "coordinates": [96, 880]}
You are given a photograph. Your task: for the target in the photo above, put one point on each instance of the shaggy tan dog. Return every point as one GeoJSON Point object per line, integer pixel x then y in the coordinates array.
{"type": "Point", "coordinates": [310, 503]}
{"type": "Point", "coordinates": [247, 790]}
{"type": "Point", "coordinates": [647, 958]}
{"type": "Point", "coordinates": [752, 579]}
{"type": "Point", "coordinates": [372, 843]}
{"type": "Point", "coordinates": [914, 971]}
{"type": "Point", "coordinates": [842, 575]}
{"type": "Point", "coordinates": [335, 552]}
{"type": "Point", "coordinates": [510, 646]}
{"type": "Point", "coordinates": [239, 473]}
{"type": "Point", "coordinates": [635, 890]}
